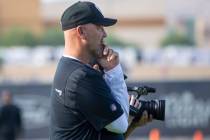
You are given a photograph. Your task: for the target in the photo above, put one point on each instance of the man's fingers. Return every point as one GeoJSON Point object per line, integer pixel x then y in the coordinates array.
{"type": "Point", "coordinates": [109, 59]}
{"type": "Point", "coordinates": [145, 117]}
{"type": "Point", "coordinates": [136, 105]}
{"type": "Point", "coordinates": [113, 56]}
{"type": "Point", "coordinates": [139, 105]}
{"type": "Point", "coordinates": [96, 67]}
{"type": "Point", "coordinates": [132, 101]}
{"type": "Point", "coordinates": [106, 50]}
{"type": "Point", "coordinates": [110, 53]}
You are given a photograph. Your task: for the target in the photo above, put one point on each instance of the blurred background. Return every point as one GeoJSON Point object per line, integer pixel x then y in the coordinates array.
{"type": "Point", "coordinates": [164, 44]}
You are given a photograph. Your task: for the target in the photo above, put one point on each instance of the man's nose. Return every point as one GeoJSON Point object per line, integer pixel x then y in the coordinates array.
{"type": "Point", "coordinates": [104, 33]}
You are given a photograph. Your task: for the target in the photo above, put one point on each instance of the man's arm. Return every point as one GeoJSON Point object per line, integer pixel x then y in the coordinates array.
{"type": "Point", "coordinates": [115, 80]}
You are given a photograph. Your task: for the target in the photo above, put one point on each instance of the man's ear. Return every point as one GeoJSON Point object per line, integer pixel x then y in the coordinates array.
{"type": "Point", "coordinates": [81, 32]}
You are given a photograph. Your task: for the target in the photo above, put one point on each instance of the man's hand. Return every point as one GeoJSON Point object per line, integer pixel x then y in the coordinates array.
{"type": "Point", "coordinates": [109, 60]}
{"type": "Point", "coordinates": [145, 118]}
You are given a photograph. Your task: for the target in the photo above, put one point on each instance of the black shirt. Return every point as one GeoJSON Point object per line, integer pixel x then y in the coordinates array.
{"type": "Point", "coordinates": [81, 104]}
{"type": "Point", "coordinates": [10, 121]}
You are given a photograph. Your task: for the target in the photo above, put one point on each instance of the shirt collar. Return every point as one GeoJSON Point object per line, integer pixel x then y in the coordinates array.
{"type": "Point", "coordinates": [69, 56]}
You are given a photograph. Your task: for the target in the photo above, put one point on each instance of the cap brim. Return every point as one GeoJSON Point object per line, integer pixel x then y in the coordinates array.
{"type": "Point", "coordinates": [107, 22]}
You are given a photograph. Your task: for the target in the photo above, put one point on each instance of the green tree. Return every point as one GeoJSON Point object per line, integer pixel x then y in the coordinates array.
{"type": "Point", "coordinates": [112, 40]}
{"type": "Point", "coordinates": [53, 37]}
{"type": "Point", "coordinates": [18, 36]}
{"type": "Point", "coordinates": [177, 38]}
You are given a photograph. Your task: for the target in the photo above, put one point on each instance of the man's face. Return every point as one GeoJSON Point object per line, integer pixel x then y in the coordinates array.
{"type": "Point", "coordinates": [95, 40]}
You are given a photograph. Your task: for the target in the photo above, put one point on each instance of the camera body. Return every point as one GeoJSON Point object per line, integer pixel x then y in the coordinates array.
{"type": "Point", "coordinates": [156, 108]}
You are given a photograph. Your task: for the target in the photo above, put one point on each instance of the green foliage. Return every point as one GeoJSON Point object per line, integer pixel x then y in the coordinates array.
{"type": "Point", "coordinates": [1, 63]}
{"type": "Point", "coordinates": [177, 38]}
{"type": "Point", "coordinates": [53, 37]}
{"type": "Point", "coordinates": [21, 37]}
{"type": "Point", "coordinates": [112, 40]}
{"type": "Point", "coordinates": [18, 36]}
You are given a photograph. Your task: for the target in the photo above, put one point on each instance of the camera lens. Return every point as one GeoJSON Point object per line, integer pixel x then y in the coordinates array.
{"type": "Point", "coordinates": [154, 107]}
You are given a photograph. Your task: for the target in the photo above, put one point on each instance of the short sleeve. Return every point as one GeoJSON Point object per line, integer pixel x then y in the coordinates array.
{"type": "Point", "coordinates": [95, 101]}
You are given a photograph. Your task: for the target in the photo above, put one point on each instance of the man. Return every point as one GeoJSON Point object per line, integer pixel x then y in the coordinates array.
{"type": "Point", "coordinates": [86, 103]}
{"type": "Point", "coordinates": [10, 118]}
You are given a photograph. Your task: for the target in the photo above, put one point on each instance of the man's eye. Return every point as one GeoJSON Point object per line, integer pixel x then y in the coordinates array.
{"type": "Point", "coordinates": [100, 28]}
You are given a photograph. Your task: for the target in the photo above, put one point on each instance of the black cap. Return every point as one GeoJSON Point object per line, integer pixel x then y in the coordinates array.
{"type": "Point", "coordinates": [83, 13]}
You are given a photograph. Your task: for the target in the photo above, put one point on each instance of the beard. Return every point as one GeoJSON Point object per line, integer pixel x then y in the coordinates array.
{"type": "Point", "coordinates": [100, 50]}
{"type": "Point", "coordinates": [97, 51]}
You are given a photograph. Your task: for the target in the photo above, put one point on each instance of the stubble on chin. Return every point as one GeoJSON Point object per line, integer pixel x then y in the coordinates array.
{"type": "Point", "coordinates": [99, 52]}
{"type": "Point", "coordinates": [96, 55]}
{"type": "Point", "coordinates": [102, 47]}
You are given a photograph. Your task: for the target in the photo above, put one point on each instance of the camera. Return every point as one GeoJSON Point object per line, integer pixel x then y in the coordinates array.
{"type": "Point", "coordinates": [156, 108]}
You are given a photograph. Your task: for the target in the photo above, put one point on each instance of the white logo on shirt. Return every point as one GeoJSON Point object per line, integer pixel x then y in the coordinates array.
{"type": "Point", "coordinates": [58, 91]}
{"type": "Point", "coordinates": [113, 107]}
